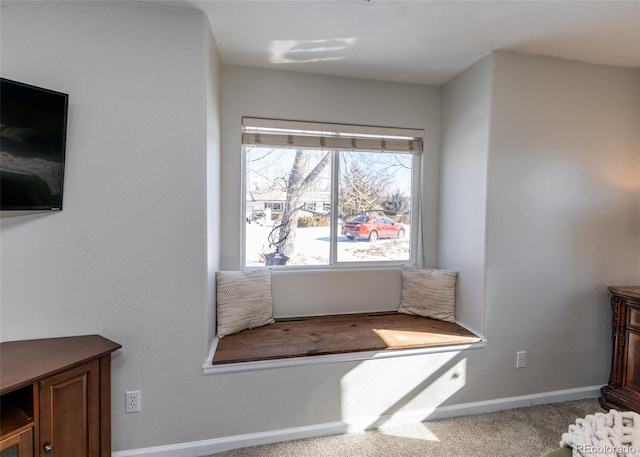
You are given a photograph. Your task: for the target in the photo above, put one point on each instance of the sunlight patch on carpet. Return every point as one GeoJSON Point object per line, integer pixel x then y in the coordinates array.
{"type": "Point", "coordinates": [413, 431]}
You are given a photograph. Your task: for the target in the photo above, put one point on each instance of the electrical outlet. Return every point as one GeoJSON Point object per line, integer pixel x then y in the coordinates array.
{"type": "Point", "coordinates": [132, 399]}
{"type": "Point", "coordinates": [521, 359]}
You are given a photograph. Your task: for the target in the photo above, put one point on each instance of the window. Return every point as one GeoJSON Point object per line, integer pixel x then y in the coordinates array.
{"type": "Point", "coordinates": [329, 195]}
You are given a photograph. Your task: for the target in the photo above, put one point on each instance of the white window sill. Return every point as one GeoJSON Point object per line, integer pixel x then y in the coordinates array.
{"type": "Point", "coordinates": [209, 369]}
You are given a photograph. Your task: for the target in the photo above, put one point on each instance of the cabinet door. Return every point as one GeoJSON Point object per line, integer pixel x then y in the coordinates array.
{"type": "Point", "coordinates": [18, 445]}
{"type": "Point", "coordinates": [70, 413]}
{"type": "Point", "coordinates": [632, 363]}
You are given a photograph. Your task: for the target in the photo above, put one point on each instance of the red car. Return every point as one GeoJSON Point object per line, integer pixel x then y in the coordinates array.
{"type": "Point", "coordinates": [372, 228]}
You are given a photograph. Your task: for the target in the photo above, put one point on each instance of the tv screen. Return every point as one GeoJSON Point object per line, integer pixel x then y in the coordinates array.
{"type": "Point", "coordinates": [33, 126]}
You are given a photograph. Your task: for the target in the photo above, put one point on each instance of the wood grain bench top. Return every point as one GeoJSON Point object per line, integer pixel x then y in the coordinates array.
{"type": "Point", "coordinates": [336, 334]}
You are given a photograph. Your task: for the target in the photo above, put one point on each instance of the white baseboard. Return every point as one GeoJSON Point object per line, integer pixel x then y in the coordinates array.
{"type": "Point", "coordinates": [212, 446]}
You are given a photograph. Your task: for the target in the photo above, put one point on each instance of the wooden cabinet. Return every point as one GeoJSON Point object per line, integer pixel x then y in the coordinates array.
{"type": "Point", "coordinates": [56, 397]}
{"type": "Point", "coordinates": [623, 390]}
{"type": "Point", "coordinates": [72, 399]}
{"type": "Point", "coordinates": [18, 444]}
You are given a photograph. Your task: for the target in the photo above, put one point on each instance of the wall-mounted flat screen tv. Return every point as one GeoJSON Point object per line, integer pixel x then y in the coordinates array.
{"type": "Point", "coordinates": [33, 126]}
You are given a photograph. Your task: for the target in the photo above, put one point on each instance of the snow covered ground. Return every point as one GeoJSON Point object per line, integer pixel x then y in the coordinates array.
{"type": "Point", "coordinates": [312, 247]}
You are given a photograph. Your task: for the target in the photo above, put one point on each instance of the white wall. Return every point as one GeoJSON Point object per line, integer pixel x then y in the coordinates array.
{"type": "Point", "coordinates": [287, 95]}
{"type": "Point", "coordinates": [561, 220]}
{"type": "Point", "coordinates": [213, 68]}
{"type": "Point", "coordinates": [127, 257]}
{"type": "Point", "coordinates": [462, 207]}
{"type": "Point", "coordinates": [564, 170]}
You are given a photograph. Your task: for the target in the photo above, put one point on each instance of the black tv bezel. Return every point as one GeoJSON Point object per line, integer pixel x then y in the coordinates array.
{"type": "Point", "coordinates": [65, 99]}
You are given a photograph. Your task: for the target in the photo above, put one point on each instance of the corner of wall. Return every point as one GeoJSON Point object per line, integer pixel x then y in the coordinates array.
{"type": "Point", "coordinates": [462, 204]}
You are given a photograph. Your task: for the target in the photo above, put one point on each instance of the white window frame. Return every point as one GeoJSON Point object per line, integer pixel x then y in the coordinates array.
{"type": "Point", "coordinates": [371, 135]}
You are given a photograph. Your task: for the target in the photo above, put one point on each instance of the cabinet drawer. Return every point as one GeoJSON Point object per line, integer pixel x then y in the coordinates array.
{"type": "Point", "coordinates": [634, 318]}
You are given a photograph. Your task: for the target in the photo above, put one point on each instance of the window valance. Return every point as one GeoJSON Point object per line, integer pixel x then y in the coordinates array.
{"type": "Point", "coordinates": [314, 135]}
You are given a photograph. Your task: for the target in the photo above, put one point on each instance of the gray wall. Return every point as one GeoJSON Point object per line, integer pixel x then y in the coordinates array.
{"type": "Point", "coordinates": [127, 258]}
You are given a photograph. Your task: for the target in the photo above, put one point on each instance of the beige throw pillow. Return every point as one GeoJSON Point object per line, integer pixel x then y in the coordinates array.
{"type": "Point", "coordinates": [429, 293]}
{"type": "Point", "coordinates": [243, 300]}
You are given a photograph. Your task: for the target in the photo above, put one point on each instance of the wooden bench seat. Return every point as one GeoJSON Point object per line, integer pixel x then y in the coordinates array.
{"type": "Point", "coordinates": [338, 334]}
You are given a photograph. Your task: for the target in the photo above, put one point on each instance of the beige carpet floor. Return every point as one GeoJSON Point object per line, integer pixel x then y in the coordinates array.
{"type": "Point", "coordinates": [521, 432]}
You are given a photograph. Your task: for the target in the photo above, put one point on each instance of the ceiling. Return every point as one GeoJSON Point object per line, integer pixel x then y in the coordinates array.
{"type": "Point", "coordinates": [424, 42]}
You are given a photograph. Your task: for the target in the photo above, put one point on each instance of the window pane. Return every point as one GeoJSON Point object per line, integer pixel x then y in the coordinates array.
{"type": "Point", "coordinates": [288, 202]}
{"type": "Point", "coordinates": [374, 206]}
